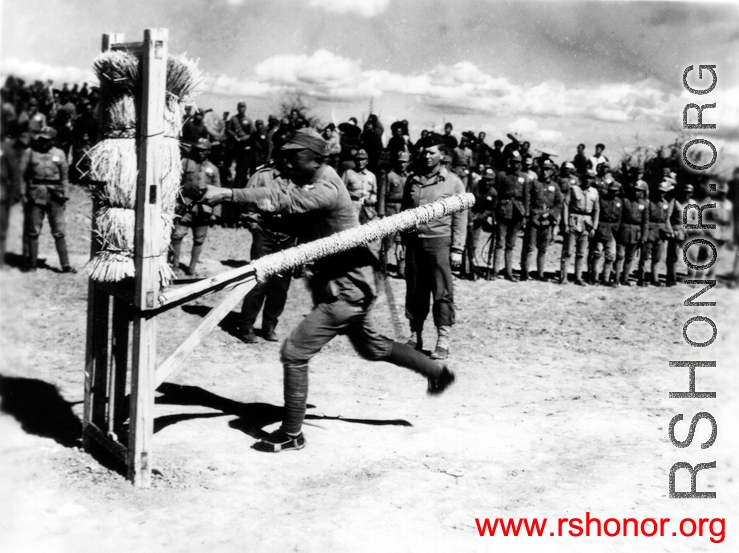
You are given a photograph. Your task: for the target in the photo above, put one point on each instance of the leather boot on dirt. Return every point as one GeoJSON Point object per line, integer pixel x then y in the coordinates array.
{"type": "Point", "coordinates": [442, 343]}
{"type": "Point", "coordinates": [31, 262]}
{"type": "Point", "coordinates": [268, 332]}
{"type": "Point", "coordinates": [197, 249]}
{"type": "Point", "coordinates": [248, 336]}
{"type": "Point", "coordinates": [578, 273]}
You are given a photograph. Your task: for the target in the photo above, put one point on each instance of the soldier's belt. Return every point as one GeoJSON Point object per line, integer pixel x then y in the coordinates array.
{"type": "Point", "coordinates": [45, 182]}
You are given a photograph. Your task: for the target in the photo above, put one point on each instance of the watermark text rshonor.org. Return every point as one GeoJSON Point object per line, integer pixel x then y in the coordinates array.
{"type": "Point", "coordinates": [693, 364]}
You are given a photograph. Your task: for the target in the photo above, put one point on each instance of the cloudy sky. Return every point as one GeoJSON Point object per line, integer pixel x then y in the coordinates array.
{"type": "Point", "coordinates": [560, 72]}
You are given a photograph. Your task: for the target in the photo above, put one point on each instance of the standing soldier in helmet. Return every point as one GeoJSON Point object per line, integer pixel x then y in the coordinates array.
{"type": "Point", "coordinates": [391, 196]}
{"type": "Point", "coordinates": [604, 241]}
{"type": "Point", "coordinates": [45, 181]}
{"type": "Point", "coordinates": [631, 232]}
{"type": "Point", "coordinates": [512, 209]}
{"type": "Point", "coordinates": [361, 184]}
{"type": "Point", "coordinates": [659, 232]}
{"type": "Point", "coordinates": [197, 174]}
{"type": "Point", "coordinates": [546, 206]}
{"type": "Point", "coordinates": [580, 217]}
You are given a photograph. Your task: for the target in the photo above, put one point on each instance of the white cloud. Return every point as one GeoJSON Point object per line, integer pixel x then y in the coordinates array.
{"type": "Point", "coordinates": [529, 130]}
{"type": "Point", "coordinates": [365, 8]}
{"type": "Point", "coordinates": [32, 70]}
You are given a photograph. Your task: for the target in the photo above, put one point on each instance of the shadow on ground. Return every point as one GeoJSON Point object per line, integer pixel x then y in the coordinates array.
{"type": "Point", "coordinates": [253, 417]}
{"type": "Point", "coordinates": [40, 409]}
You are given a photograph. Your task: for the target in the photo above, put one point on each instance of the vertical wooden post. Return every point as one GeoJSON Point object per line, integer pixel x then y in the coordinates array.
{"type": "Point", "coordinates": [146, 255]}
{"type": "Point", "coordinates": [117, 412]}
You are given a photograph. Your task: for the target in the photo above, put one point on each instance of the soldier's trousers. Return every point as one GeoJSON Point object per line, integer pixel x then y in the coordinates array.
{"type": "Point", "coordinates": [273, 293]}
{"type": "Point", "coordinates": [625, 253]}
{"type": "Point", "coordinates": [34, 219]}
{"type": "Point", "coordinates": [428, 275]}
{"type": "Point", "coordinates": [575, 242]}
{"type": "Point", "coordinates": [33, 224]}
{"type": "Point", "coordinates": [320, 326]}
{"type": "Point", "coordinates": [506, 234]}
{"type": "Point", "coordinates": [602, 248]}
{"type": "Point", "coordinates": [537, 238]}
{"type": "Point", "coordinates": [653, 250]}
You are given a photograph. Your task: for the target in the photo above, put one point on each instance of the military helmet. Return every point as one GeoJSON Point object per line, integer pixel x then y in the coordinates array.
{"type": "Point", "coordinates": [202, 144]}
{"type": "Point", "coordinates": [641, 185]}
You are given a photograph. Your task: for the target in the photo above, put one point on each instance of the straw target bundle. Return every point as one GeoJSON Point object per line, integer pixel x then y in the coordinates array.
{"type": "Point", "coordinates": [275, 263]}
{"type": "Point", "coordinates": [114, 162]}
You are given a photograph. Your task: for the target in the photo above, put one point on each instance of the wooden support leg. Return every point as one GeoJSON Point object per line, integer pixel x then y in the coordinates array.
{"type": "Point", "coordinates": [117, 412]}
{"type": "Point", "coordinates": [141, 428]}
{"type": "Point", "coordinates": [96, 363]}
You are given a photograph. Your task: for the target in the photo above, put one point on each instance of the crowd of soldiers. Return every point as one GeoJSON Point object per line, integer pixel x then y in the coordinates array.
{"type": "Point", "coordinates": [46, 132]}
{"type": "Point", "coordinates": [611, 218]}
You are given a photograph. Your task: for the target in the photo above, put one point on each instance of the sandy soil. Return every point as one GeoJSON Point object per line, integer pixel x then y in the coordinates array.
{"type": "Point", "coordinates": [561, 407]}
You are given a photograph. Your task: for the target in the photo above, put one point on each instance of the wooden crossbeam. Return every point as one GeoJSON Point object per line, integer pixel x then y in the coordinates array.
{"type": "Point", "coordinates": [189, 292]}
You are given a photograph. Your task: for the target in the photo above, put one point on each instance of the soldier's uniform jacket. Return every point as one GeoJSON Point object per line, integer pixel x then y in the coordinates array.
{"type": "Point", "coordinates": [634, 221]}
{"type": "Point", "coordinates": [513, 194]}
{"type": "Point", "coordinates": [546, 203]}
{"type": "Point", "coordinates": [582, 208]}
{"type": "Point", "coordinates": [317, 210]}
{"type": "Point", "coordinates": [196, 177]}
{"type": "Point", "coordinates": [565, 183]}
{"type": "Point", "coordinates": [361, 185]}
{"type": "Point", "coordinates": [610, 218]}
{"type": "Point", "coordinates": [45, 176]}
{"type": "Point", "coordinates": [392, 196]}
{"type": "Point", "coordinates": [271, 225]}
{"type": "Point", "coordinates": [421, 190]}
{"type": "Point", "coordinates": [659, 223]}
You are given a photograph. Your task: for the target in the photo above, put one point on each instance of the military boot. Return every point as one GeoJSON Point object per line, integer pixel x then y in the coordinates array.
{"type": "Point", "coordinates": [197, 249]}
{"type": "Point", "coordinates": [61, 250]}
{"type": "Point", "coordinates": [578, 272]}
{"type": "Point", "coordinates": [540, 261]}
{"type": "Point", "coordinates": [32, 259]}
{"type": "Point", "coordinates": [509, 265]}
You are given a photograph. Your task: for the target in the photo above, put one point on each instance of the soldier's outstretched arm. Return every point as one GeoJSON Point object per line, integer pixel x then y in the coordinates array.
{"type": "Point", "coordinates": [296, 199]}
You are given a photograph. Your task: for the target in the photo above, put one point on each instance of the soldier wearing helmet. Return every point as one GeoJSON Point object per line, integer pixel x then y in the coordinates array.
{"type": "Point", "coordinates": [631, 232]}
{"type": "Point", "coordinates": [45, 180]}
{"type": "Point", "coordinates": [362, 186]}
{"type": "Point", "coordinates": [511, 211]}
{"type": "Point", "coordinates": [545, 209]}
{"type": "Point", "coordinates": [197, 174]}
{"type": "Point", "coordinates": [603, 243]}
{"type": "Point", "coordinates": [580, 218]}
{"type": "Point", "coordinates": [658, 233]}
{"type": "Point", "coordinates": [390, 198]}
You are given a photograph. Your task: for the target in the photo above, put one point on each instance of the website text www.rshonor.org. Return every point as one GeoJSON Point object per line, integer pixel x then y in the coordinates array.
{"type": "Point", "coordinates": [591, 526]}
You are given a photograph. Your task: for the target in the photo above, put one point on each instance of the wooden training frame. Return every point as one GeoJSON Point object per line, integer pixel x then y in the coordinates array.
{"type": "Point", "coordinates": [121, 374]}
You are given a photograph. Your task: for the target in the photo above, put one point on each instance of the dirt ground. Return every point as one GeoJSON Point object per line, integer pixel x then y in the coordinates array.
{"type": "Point", "coordinates": [561, 407]}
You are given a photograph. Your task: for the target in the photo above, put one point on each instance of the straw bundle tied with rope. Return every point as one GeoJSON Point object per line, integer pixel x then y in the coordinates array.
{"type": "Point", "coordinates": [114, 160]}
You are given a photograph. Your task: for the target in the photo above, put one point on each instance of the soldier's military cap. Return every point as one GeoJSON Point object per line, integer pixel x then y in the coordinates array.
{"type": "Point", "coordinates": [241, 104]}
{"type": "Point", "coordinates": [202, 144]}
{"type": "Point", "coordinates": [689, 188]}
{"type": "Point", "coordinates": [361, 154]}
{"type": "Point", "coordinates": [307, 139]}
{"type": "Point", "coordinates": [665, 186]}
{"type": "Point", "coordinates": [515, 156]}
{"type": "Point", "coordinates": [430, 140]}
{"type": "Point", "coordinates": [547, 164]}
{"type": "Point", "coordinates": [46, 132]}
{"type": "Point", "coordinates": [404, 156]}
{"type": "Point", "coordinates": [641, 185]}
{"type": "Point", "coordinates": [614, 185]}
{"type": "Point", "coordinates": [569, 165]}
